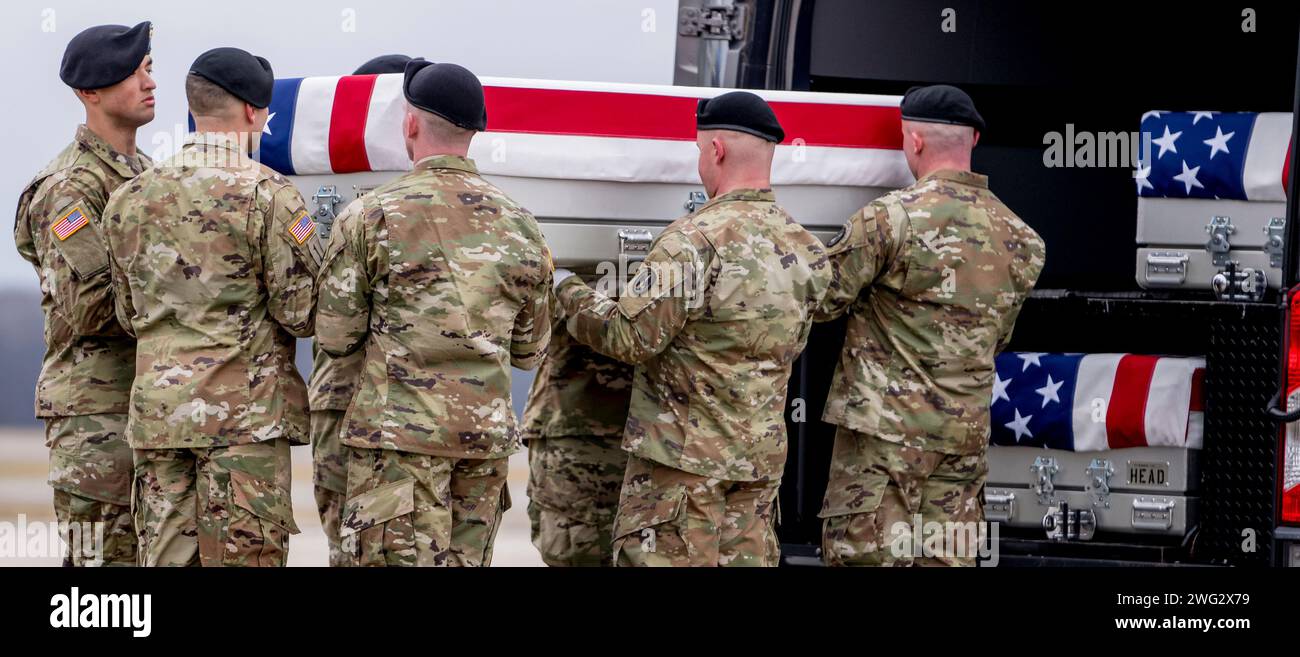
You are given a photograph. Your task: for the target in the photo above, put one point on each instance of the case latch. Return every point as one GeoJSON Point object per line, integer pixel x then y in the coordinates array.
{"type": "Point", "coordinates": [1239, 283]}
{"type": "Point", "coordinates": [327, 201]}
{"type": "Point", "coordinates": [1098, 482]}
{"type": "Point", "coordinates": [1273, 244]}
{"type": "Point", "coordinates": [1044, 469]}
{"type": "Point", "coordinates": [1065, 524]}
{"type": "Point", "coordinates": [1220, 243]}
{"type": "Point", "coordinates": [694, 200]}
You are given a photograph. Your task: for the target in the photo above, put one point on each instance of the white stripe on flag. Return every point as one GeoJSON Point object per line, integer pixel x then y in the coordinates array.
{"type": "Point", "coordinates": [1092, 393]}
{"type": "Point", "coordinates": [667, 161]}
{"type": "Point", "coordinates": [385, 146]}
{"type": "Point", "coordinates": [1169, 401]}
{"type": "Point", "coordinates": [819, 97]}
{"type": "Point", "coordinates": [309, 146]}
{"type": "Point", "coordinates": [1262, 174]}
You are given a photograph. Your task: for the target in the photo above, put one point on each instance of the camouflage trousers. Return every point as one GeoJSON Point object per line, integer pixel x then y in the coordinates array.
{"type": "Point", "coordinates": [220, 506]}
{"type": "Point", "coordinates": [573, 488]}
{"type": "Point", "coordinates": [667, 517]}
{"type": "Point", "coordinates": [329, 477]}
{"type": "Point", "coordinates": [877, 491]}
{"type": "Point", "coordinates": [406, 509]}
{"type": "Point", "coordinates": [90, 471]}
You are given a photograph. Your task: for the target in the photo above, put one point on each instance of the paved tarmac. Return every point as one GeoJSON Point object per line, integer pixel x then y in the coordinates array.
{"type": "Point", "coordinates": [23, 490]}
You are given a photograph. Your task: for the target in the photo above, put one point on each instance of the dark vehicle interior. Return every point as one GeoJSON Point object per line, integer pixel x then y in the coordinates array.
{"type": "Point", "coordinates": [1032, 68]}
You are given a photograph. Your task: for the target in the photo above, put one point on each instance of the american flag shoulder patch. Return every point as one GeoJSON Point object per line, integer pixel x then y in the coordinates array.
{"type": "Point", "coordinates": [302, 227]}
{"type": "Point", "coordinates": [72, 221]}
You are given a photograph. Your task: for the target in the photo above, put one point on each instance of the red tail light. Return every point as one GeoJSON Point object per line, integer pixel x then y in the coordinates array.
{"type": "Point", "coordinates": [1289, 475]}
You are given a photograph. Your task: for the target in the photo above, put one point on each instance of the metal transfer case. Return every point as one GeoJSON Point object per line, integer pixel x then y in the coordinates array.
{"type": "Point", "coordinates": [1134, 490]}
{"type": "Point", "coordinates": [1211, 207]}
{"type": "Point", "coordinates": [603, 166]}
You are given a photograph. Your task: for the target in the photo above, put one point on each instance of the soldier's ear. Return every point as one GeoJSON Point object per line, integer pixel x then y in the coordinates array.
{"type": "Point", "coordinates": [87, 96]}
{"type": "Point", "coordinates": [410, 126]}
{"type": "Point", "coordinates": [719, 149]}
{"type": "Point", "coordinates": [975, 139]}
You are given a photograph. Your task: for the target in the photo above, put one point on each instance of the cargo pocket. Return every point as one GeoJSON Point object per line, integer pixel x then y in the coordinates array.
{"type": "Point", "coordinates": [647, 529]}
{"type": "Point", "coordinates": [378, 528]}
{"type": "Point", "coordinates": [503, 505]}
{"type": "Point", "coordinates": [773, 542]}
{"type": "Point", "coordinates": [853, 531]}
{"type": "Point", "coordinates": [261, 520]}
{"type": "Point", "coordinates": [138, 521]}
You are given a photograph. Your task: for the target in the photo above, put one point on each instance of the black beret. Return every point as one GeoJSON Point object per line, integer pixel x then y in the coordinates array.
{"type": "Point", "coordinates": [448, 90]}
{"type": "Point", "coordinates": [941, 103]}
{"type": "Point", "coordinates": [383, 64]}
{"type": "Point", "coordinates": [741, 111]}
{"type": "Point", "coordinates": [104, 55]}
{"type": "Point", "coordinates": [243, 74]}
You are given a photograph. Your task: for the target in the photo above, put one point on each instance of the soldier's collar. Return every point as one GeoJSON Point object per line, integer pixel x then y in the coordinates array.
{"type": "Point", "coordinates": [126, 167]}
{"type": "Point", "coordinates": [743, 194]}
{"type": "Point", "coordinates": [447, 162]}
{"type": "Point", "coordinates": [217, 139]}
{"type": "Point", "coordinates": [961, 177]}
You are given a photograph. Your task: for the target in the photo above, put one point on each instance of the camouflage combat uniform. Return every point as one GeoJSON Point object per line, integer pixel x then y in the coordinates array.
{"type": "Point", "coordinates": [442, 282]}
{"type": "Point", "coordinates": [333, 382]}
{"type": "Point", "coordinates": [714, 319]}
{"type": "Point", "coordinates": [933, 277]}
{"type": "Point", "coordinates": [214, 272]}
{"type": "Point", "coordinates": [573, 422]}
{"type": "Point", "coordinates": [85, 379]}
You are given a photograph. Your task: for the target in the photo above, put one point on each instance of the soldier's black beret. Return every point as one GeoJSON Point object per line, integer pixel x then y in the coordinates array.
{"type": "Point", "coordinates": [243, 74]}
{"type": "Point", "coordinates": [448, 90]}
{"type": "Point", "coordinates": [741, 111]}
{"type": "Point", "coordinates": [941, 103]}
{"type": "Point", "coordinates": [383, 64]}
{"type": "Point", "coordinates": [104, 55]}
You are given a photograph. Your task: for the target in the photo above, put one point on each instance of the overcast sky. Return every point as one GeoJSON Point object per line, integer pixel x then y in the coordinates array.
{"type": "Point", "coordinates": [605, 40]}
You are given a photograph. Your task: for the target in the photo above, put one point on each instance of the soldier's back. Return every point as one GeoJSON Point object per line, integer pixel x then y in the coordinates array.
{"type": "Point", "coordinates": [962, 264]}
{"type": "Point", "coordinates": [455, 263]}
{"type": "Point", "coordinates": [214, 310]}
{"type": "Point", "coordinates": [725, 374]}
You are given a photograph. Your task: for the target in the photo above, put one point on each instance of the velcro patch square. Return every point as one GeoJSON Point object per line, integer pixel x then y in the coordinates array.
{"type": "Point", "coordinates": [302, 227]}
{"type": "Point", "coordinates": [71, 222]}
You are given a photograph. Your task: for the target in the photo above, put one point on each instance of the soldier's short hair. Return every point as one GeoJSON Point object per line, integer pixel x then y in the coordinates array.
{"type": "Point", "coordinates": [441, 129]}
{"type": "Point", "coordinates": [944, 136]}
{"type": "Point", "coordinates": [206, 98]}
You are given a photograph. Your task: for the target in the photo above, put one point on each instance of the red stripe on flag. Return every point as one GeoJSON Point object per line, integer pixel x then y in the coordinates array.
{"type": "Point", "coordinates": [647, 116]}
{"type": "Point", "coordinates": [1198, 391]}
{"type": "Point", "coordinates": [1286, 169]}
{"type": "Point", "coordinates": [1126, 413]}
{"type": "Point", "coordinates": [348, 123]}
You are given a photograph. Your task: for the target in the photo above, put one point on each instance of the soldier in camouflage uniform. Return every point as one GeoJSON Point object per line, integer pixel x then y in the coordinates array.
{"type": "Point", "coordinates": [713, 321]}
{"type": "Point", "coordinates": [572, 423]}
{"type": "Point", "coordinates": [333, 382]}
{"type": "Point", "coordinates": [441, 282]}
{"type": "Point", "coordinates": [85, 379]}
{"type": "Point", "coordinates": [932, 277]}
{"type": "Point", "coordinates": [214, 263]}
